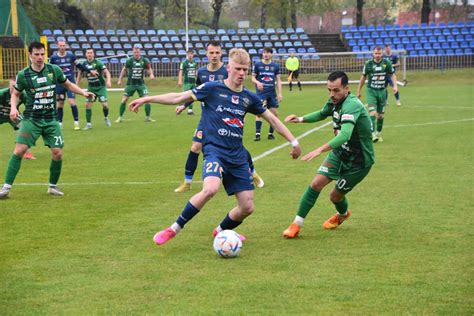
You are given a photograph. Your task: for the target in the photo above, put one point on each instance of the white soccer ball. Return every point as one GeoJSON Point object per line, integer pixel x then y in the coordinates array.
{"type": "Point", "coordinates": [227, 244]}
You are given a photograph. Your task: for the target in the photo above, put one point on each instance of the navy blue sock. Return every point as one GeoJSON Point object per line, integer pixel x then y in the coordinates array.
{"type": "Point", "coordinates": [191, 165]}
{"type": "Point", "coordinates": [60, 114]}
{"type": "Point", "coordinates": [106, 112]}
{"type": "Point", "coordinates": [249, 159]}
{"type": "Point", "coordinates": [397, 96]}
{"type": "Point", "coordinates": [258, 127]}
{"type": "Point", "coordinates": [187, 214]}
{"type": "Point", "coordinates": [229, 223]}
{"type": "Point", "coordinates": [75, 113]}
{"type": "Point", "coordinates": [270, 130]}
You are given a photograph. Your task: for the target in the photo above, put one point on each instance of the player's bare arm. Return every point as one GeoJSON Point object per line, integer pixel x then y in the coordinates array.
{"type": "Point", "coordinates": [79, 76]}
{"type": "Point", "coordinates": [361, 84]}
{"type": "Point", "coordinates": [108, 79]}
{"type": "Point", "coordinates": [293, 118]}
{"type": "Point", "coordinates": [257, 83]}
{"type": "Point", "coordinates": [395, 84]}
{"type": "Point", "coordinates": [14, 101]}
{"type": "Point", "coordinates": [123, 72]}
{"type": "Point", "coordinates": [315, 153]}
{"type": "Point", "coordinates": [168, 98]}
{"type": "Point", "coordinates": [279, 88]}
{"type": "Point", "coordinates": [180, 78]}
{"type": "Point", "coordinates": [283, 131]}
{"type": "Point", "coordinates": [150, 72]}
{"type": "Point", "coordinates": [76, 89]}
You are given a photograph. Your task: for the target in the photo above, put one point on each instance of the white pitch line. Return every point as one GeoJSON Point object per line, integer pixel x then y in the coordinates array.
{"type": "Point", "coordinates": [268, 152]}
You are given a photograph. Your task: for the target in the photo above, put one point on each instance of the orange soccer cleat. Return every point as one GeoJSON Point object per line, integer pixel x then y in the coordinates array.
{"type": "Point", "coordinates": [292, 231]}
{"type": "Point", "coordinates": [28, 155]}
{"type": "Point", "coordinates": [336, 220]}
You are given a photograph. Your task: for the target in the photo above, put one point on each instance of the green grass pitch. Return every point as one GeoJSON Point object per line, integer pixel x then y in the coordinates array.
{"type": "Point", "coordinates": [407, 248]}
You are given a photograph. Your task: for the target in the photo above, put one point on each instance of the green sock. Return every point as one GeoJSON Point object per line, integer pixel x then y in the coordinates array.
{"type": "Point", "coordinates": [55, 171]}
{"type": "Point", "coordinates": [122, 108]}
{"type": "Point", "coordinates": [12, 170]}
{"type": "Point", "coordinates": [307, 202]}
{"type": "Point", "coordinates": [88, 115]}
{"type": "Point", "coordinates": [379, 125]}
{"type": "Point", "coordinates": [147, 109]}
{"type": "Point", "coordinates": [372, 121]}
{"type": "Point", "coordinates": [190, 106]}
{"type": "Point", "coordinates": [342, 206]}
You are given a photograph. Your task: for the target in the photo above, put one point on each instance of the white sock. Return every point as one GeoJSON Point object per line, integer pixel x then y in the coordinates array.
{"type": "Point", "coordinates": [188, 181]}
{"type": "Point", "coordinates": [299, 220]}
{"type": "Point", "coordinates": [7, 186]}
{"type": "Point", "coordinates": [176, 227]}
{"type": "Point", "coordinates": [218, 229]}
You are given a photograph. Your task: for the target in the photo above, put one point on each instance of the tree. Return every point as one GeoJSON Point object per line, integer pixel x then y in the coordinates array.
{"type": "Point", "coordinates": [293, 20]}
{"type": "Point", "coordinates": [283, 14]}
{"type": "Point", "coordinates": [217, 7]}
{"type": "Point", "coordinates": [263, 14]}
{"type": "Point", "coordinates": [425, 11]}
{"type": "Point", "coordinates": [360, 6]}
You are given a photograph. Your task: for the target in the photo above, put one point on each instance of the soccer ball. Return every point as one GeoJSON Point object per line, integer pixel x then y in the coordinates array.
{"type": "Point", "coordinates": [227, 244]}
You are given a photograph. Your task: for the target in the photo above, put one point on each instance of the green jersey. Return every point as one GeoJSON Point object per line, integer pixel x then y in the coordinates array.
{"type": "Point", "coordinates": [136, 70]}
{"type": "Point", "coordinates": [189, 69]}
{"type": "Point", "coordinates": [377, 73]}
{"type": "Point", "coordinates": [5, 104]}
{"type": "Point", "coordinates": [358, 150]}
{"type": "Point", "coordinates": [40, 89]}
{"type": "Point", "coordinates": [95, 81]}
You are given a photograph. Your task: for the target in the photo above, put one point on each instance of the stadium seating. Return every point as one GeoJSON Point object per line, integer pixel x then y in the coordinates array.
{"type": "Point", "coordinates": [419, 40]}
{"type": "Point", "coordinates": [167, 45]}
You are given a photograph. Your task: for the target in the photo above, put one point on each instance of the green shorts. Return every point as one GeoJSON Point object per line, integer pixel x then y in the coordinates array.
{"type": "Point", "coordinates": [100, 94]}
{"type": "Point", "coordinates": [141, 89]}
{"type": "Point", "coordinates": [346, 178]}
{"type": "Point", "coordinates": [376, 99]}
{"type": "Point", "coordinates": [31, 130]}
{"type": "Point", "coordinates": [188, 86]}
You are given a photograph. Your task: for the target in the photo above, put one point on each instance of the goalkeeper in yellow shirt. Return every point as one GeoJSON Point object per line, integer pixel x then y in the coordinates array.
{"type": "Point", "coordinates": [293, 65]}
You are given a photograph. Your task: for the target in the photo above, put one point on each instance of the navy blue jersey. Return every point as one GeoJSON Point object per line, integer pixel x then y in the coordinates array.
{"type": "Point", "coordinates": [223, 113]}
{"type": "Point", "coordinates": [392, 58]}
{"type": "Point", "coordinates": [66, 63]}
{"type": "Point", "coordinates": [267, 75]}
{"type": "Point", "coordinates": [204, 75]}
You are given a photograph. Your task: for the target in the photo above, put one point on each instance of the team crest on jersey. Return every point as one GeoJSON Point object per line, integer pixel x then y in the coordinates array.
{"type": "Point", "coordinates": [235, 99]}
{"type": "Point", "coordinates": [234, 122]}
{"type": "Point", "coordinates": [220, 77]}
{"type": "Point", "coordinates": [335, 115]}
{"type": "Point", "coordinates": [267, 68]}
{"type": "Point", "coordinates": [211, 78]}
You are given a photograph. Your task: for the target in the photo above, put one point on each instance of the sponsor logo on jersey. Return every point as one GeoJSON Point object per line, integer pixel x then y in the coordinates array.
{"type": "Point", "coordinates": [347, 117]}
{"type": "Point", "coordinates": [234, 122]}
{"type": "Point", "coordinates": [223, 132]}
{"type": "Point", "coordinates": [267, 79]}
{"type": "Point", "coordinates": [246, 102]}
{"type": "Point", "coordinates": [235, 99]}
{"type": "Point", "coordinates": [223, 95]}
{"type": "Point", "coordinates": [42, 80]}
{"type": "Point", "coordinates": [221, 108]}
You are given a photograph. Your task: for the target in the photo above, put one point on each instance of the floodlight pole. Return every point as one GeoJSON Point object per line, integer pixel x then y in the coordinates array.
{"type": "Point", "coordinates": [187, 36]}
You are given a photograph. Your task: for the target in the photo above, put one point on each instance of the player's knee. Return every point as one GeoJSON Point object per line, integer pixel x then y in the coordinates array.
{"type": "Point", "coordinates": [209, 192]}
{"type": "Point", "coordinates": [247, 209]}
{"type": "Point", "coordinates": [380, 116]}
{"type": "Point", "coordinates": [57, 154]}
{"type": "Point", "coordinates": [335, 196]}
{"type": "Point", "coordinates": [317, 186]}
{"type": "Point", "coordinates": [20, 150]}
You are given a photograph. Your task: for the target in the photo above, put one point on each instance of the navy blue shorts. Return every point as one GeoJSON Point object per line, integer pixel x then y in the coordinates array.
{"type": "Point", "coordinates": [389, 81]}
{"type": "Point", "coordinates": [269, 101]}
{"type": "Point", "coordinates": [235, 177]}
{"type": "Point", "coordinates": [198, 133]}
{"type": "Point", "coordinates": [61, 92]}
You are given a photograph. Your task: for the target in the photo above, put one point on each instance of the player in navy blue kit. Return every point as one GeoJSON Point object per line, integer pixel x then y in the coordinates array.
{"type": "Point", "coordinates": [266, 76]}
{"type": "Point", "coordinates": [393, 58]}
{"type": "Point", "coordinates": [66, 61]}
{"type": "Point", "coordinates": [214, 71]}
{"type": "Point", "coordinates": [225, 106]}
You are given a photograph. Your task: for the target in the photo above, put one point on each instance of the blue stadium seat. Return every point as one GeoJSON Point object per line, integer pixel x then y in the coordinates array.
{"type": "Point", "coordinates": [437, 32]}
{"type": "Point", "coordinates": [201, 32]}
{"type": "Point", "coordinates": [440, 52]}
{"type": "Point", "coordinates": [152, 53]}
{"type": "Point", "coordinates": [201, 45]}
{"type": "Point", "coordinates": [151, 32]}
{"type": "Point", "coordinates": [156, 45]}
{"type": "Point", "coordinates": [464, 31]}
{"type": "Point", "coordinates": [307, 44]}
{"type": "Point", "coordinates": [107, 46]}
{"type": "Point", "coordinates": [284, 37]}
{"type": "Point", "coordinates": [99, 53]}
{"type": "Point", "coordinates": [75, 46]}
{"type": "Point", "coordinates": [264, 37]}
{"type": "Point", "coordinates": [281, 51]}
{"type": "Point", "coordinates": [53, 46]}
{"type": "Point", "coordinates": [374, 34]}
{"type": "Point", "coordinates": [248, 45]}
{"type": "Point", "coordinates": [392, 34]}
{"type": "Point", "coordinates": [410, 33]}
{"type": "Point", "coordinates": [454, 45]}
{"type": "Point", "coordinates": [114, 39]}
{"type": "Point", "coordinates": [361, 42]}
{"type": "Point", "coordinates": [124, 39]}
{"type": "Point", "coordinates": [401, 33]}
{"type": "Point", "coordinates": [175, 60]}
{"type": "Point", "coordinates": [174, 39]}
{"type": "Point", "coordinates": [396, 40]}
{"type": "Point", "coordinates": [352, 29]}
{"type": "Point", "coordinates": [357, 35]}
{"type": "Point", "coordinates": [259, 45]}
{"type": "Point", "coordinates": [60, 38]}
{"type": "Point", "coordinates": [428, 32]}
{"type": "Point", "coordinates": [423, 39]}
{"type": "Point", "coordinates": [79, 32]}
{"type": "Point", "coordinates": [449, 52]}
{"type": "Point", "coordinates": [134, 39]}
{"type": "Point", "coordinates": [383, 34]}
{"type": "Point", "coordinates": [165, 39]}
{"type": "Point", "coordinates": [221, 32]}
{"type": "Point", "coordinates": [171, 32]}
{"type": "Point", "coordinates": [83, 39]}
{"type": "Point", "coordinates": [290, 30]}
{"type": "Point", "coordinates": [414, 40]}
{"type": "Point", "coordinates": [388, 27]}
{"type": "Point", "coordinates": [211, 32]}
{"type": "Point", "coordinates": [445, 45]}
{"type": "Point", "coordinates": [408, 47]}
{"type": "Point", "coordinates": [365, 35]}
{"type": "Point", "coordinates": [163, 32]}
{"type": "Point", "coordinates": [356, 49]}
{"type": "Point", "coordinates": [301, 50]}
{"type": "Point", "coordinates": [362, 28]}
{"type": "Point", "coordinates": [240, 45]}
{"type": "Point", "coordinates": [141, 32]}
{"type": "Point", "coordinates": [446, 32]}
{"type": "Point", "coordinates": [205, 38]}
{"type": "Point", "coordinates": [459, 52]}
{"type": "Point", "coordinates": [405, 40]}
{"type": "Point", "coordinates": [433, 39]}
{"type": "Point", "coordinates": [110, 32]}
{"type": "Point", "coordinates": [459, 38]}
{"type": "Point", "coordinates": [255, 59]}
{"type": "Point", "coordinates": [270, 30]}
{"type": "Point", "coordinates": [379, 42]}
{"type": "Point", "coordinates": [162, 52]}
{"type": "Point", "coordinates": [387, 41]}
{"type": "Point", "coordinates": [397, 27]}
{"type": "Point", "coordinates": [427, 46]}
{"type": "Point", "coordinates": [419, 33]}
{"type": "Point", "coordinates": [273, 37]}
{"type": "Point", "coordinates": [299, 30]}
{"type": "Point", "coordinates": [471, 30]}
{"type": "Point", "coordinates": [99, 32]}
{"type": "Point", "coordinates": [451, 24]}
{"type": "Point", "coordinates": [79, 53]}
{"type": "Point", "coordinates": [348, 36]}
{"type": "Point", "coordinates": [352, 42]}
{"type": "Point", "coordinates": [278, 31]}
{"type": "Point", "coordinates": [450, 38]}
{"type": "Point", "coordinates": [68, 32]}
{"type": "Point", "coordinates": [422, 53]}
{"type": "Point", "coordinates": [441, 39]}
{"type": "Point", "coordinates": [436, 46]}
{"type": "Point", "coordinates": [413, 53]}
{"type": "Point", "coordinates": [294, 37]}
{"type": "Point", "coordinates": [469, 23]}
{"type": "Point", "coordinates": [415, 26]}
{"type": "Point", "coordinates": [268, 44]}
{"type": "Point", "coordinates": [197, 59]}
{"type": "Point", "coordinates": [110, 53]}
{"type": "Point", "coordinates": [424, 26]}
{"type": "Point", "coordinates": [120, 52]}
{"type": "Point", "coordinates": [379, 28]}
{"type": "Point", "coordinates": [311, 50]}
{"type": "Point", "coordinates": [178, 46]}
{"type": "Point", "coordinates": [192, 32]}
{"type": "Point", "coordinates": [455, 31]}
{"type": "Point", "coordinates": [58, 32]}
{"type": "Point", "coordinates": [370, 42]}
{"type": "Point", "coordinates": [165, 60]}
{"type": "Point", "coordinates": [85, 46]}
{"type": "Point", "coordinates": [468, 51]}
{"type": "Point", "coordinates": [131, 32]}
{"type": "Point", "coordinates": [406, 26]}
{"type": "Point", "coordinates": [168, 46]}
{"type": "Point", "coordinates": [47, 32]}
{"type": "Point", "coordinates": [148, 45]}
{"type": "Point", "coordinates": [464, 45]}
{"type": "Point", "coordinates": [226, 38]}
{"type": "Point", "coordinates": [71, 39]}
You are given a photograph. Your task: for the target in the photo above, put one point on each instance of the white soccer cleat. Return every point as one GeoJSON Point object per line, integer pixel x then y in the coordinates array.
{"type": "Point", "coordinates": [119, 120]}
{"type": "Point", "coordinates": [149, 119]}
{"type": "Point", "coordinates": [4, 191]}
{"type": "Point", "coordinates": [76, 126]}
{"type": "Point", "coordinates": [55, 190]}
{"type": "Point", "coordinates": [107, 122]}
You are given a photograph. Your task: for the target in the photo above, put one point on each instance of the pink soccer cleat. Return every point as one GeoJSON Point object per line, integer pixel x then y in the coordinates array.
{"type": "Point", "coordinates": [162, 237]}
{"type": "Point", "coordinates": [242, 237]}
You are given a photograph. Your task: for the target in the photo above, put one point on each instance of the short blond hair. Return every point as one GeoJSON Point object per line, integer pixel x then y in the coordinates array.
{"type": "Point", "coordinates": [240, 56]}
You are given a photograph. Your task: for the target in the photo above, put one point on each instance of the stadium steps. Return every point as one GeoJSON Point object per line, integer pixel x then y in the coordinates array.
{"type": "Point", "coordinates": [11, 42]}
{"type": "Point", "coordinates": [327, 43]}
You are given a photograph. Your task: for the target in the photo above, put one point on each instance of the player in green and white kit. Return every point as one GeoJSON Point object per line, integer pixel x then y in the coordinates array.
{"type": "Point", "coordinates": [39, 81]}
{"type": "Point", "coordinates": [187, 76]}
{"type": "Point", "coordinates": [135, 69]}
{"type": "Point", "coordinates": [5, 105]}
{"type": "Point", "coordinates": [96, 84]}
{"type": "Point", "coordinates": [352, 153]}
{"type": "Point", "coordinates": [377, 69]}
